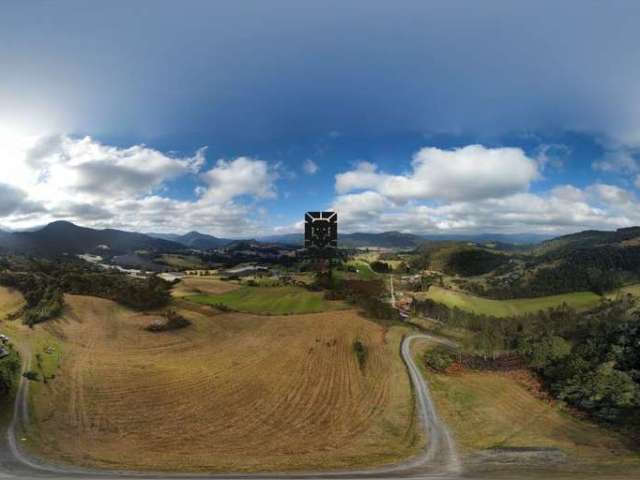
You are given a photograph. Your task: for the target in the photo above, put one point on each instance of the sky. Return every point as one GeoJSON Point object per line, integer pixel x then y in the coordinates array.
{"type": "Point", "coordinates": [234, 118]}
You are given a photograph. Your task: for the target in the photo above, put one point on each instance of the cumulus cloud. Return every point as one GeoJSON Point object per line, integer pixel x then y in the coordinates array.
{"type": "Point", "coordinates": [310, 167]}
{"type": "Point", "coordinates": [94, 169]}
{"type": "Point", "coordinates": [475, 189]}
{"type": "Point", "coordinates": [86, 181]}
{"type": "Point", "coordinates": [469, 173]}
{"type": "Point", "coordinates": [562, 209]}
{"type": "Point", "coordinates": [242, 176]}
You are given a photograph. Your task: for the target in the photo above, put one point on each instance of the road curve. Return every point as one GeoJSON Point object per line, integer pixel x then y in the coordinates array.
{"type": "Point", "coordinates": [439, 459]}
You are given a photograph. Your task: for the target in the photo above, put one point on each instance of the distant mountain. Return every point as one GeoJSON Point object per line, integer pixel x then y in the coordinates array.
{"type": "Point", "coordinates": [295, 239]}
{"type": "Point", "coordinates": [408, 240]}
{"type": "Point", "coordinates": [65, 237]}
{"type": "Point", "coordinates": [353, 240]}
{"type": "Point", "coordinates": [197, 240]}
{"type": "Point", "coordinates": [172, 237]}
{"type": "Point", "coordinates": [511, 238]}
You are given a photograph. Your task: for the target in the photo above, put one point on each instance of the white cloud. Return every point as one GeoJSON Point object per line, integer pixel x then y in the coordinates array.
{"type": "Point", "coordinates": [470, 173]}
{"type": "Point", "coordinates": [93, 169]}
{"type": "Point", "coordinates": [85, 181]}
{"type": "Point", "coordinates": [242, 176]}
{"type": "Point", "coordinates": [476, 189]}
{"type": "Point", "coordinates": [359, 208]}
{"type": "Point", "coordinates": [562, 209]}
{"type": "Point", "coordinates": [637, 182]}
{"type": "Point", "coordinates": [310, 167]}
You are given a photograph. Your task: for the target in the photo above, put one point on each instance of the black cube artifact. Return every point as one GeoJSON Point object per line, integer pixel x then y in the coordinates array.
{"type": "Point", "coordinates": [321, 231]}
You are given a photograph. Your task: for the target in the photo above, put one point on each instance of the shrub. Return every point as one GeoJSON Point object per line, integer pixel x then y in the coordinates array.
{"type": "Point", "coordinates": [380, 267]}
{"type": "Point", "coordinates": [439, 358]}
{"type": "Point", "coordinates": [174, 321]}
{"type": "Point", "coordinates": [361, 352]}
{"type": "Point", "coordinates": [31, 375]}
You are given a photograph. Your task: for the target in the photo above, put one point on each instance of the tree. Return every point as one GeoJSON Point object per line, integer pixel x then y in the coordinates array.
{"type": "Point", "coordinates": [546, 351]}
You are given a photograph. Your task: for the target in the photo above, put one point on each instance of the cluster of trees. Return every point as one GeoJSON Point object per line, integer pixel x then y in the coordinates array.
{"type": "Point", "coordinates": [380, 267]}
{"type": "Point", "coordinates": [595, 368]}
{"type": "Point", "coordinates": [589, 360]}
{"type": "Point", "coordinates": [137, 293]}
{"type": "Point", "coordinates": [470, 262]}
{"type": "Point", "coordinates": [9, 369]}
{"type": "Point", "coordinates": [458, 260]}
{"type": "Point", "coordinates": [367, 294]}
{"type": "Point", "coordinates": [42, 293]}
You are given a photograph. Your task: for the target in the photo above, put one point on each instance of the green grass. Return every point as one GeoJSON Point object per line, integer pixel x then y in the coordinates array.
{"type": "Point", "coordinates": [270, 300]}
{"type": "Point", "coordinates": [182, 261]}
{"type": "Point", "coordinates": [364, 270]}
{"type": "Point", "coordinates": [505, 308]}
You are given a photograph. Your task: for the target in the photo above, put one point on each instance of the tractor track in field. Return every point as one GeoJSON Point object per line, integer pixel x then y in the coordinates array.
{"type": "Point", "coordinates": [439, 458]}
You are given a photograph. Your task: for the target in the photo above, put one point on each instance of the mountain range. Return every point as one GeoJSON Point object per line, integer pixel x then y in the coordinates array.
{"type": "Point", "coordinates": [65, 237]}
{"type": "Point", "coordinates": [196, 240]}
{"type": "Point", "coordinates": [395, 239]}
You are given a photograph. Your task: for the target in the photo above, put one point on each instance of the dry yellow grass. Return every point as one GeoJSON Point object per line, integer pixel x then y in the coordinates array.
{"type": "Point", "coordinates": [202, 285]}
{"type": "Point", "coordinates": [10, 301]}
{"type": "Point", "coordinates": [232, 392]}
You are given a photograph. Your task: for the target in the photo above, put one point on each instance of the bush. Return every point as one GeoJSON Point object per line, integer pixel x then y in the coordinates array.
{"type": "Point", "coordinates": [136, 293]}
{"type": "Point", "coordinates": [31, 375]}
{"type": "Point", "coordinates": [361, 352]}
{"type": "Point", "coordinates": [439, 358]}
{"type": "Point", "coordinates": [174, 321]}
{"type": "Point", "coordinates": [380, 267]}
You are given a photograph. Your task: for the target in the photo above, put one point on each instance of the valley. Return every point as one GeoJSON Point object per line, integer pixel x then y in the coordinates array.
{"type": "Point", "coordinates": [246, 359]}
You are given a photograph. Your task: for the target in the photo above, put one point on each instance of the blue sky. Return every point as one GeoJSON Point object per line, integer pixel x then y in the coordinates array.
{"type": "Point", "coordinates": [233, 119]}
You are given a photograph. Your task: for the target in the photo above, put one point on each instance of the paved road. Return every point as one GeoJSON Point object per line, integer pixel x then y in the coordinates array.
{"type": "Point", "coordinates": [439, 459]}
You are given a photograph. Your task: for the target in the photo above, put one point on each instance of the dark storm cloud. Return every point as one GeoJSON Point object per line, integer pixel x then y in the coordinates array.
{"type": "Point", "coordinates": [251, 70]}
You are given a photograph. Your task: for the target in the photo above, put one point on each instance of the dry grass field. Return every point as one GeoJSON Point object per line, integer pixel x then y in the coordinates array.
{"type": "Point", "coordinates": [202, 286]}
{"type": "Point", "coordinates": [495, 410]}
{"type": "Point", "coordinates": [232, 392]}
{"type": "Point", "coordinates": [10, 301]}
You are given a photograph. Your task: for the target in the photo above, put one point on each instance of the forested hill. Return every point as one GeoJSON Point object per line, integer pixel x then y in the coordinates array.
{"type": "Point", "coordinates": [65, 237]}
{"type": "Point", "coordinates": [622, 237]}
{"type": "Point", "coordinates": [596, 261]}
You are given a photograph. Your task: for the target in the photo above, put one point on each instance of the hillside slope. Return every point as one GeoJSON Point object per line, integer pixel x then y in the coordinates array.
{"type": "Point", "coordinates": [65, 237]}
